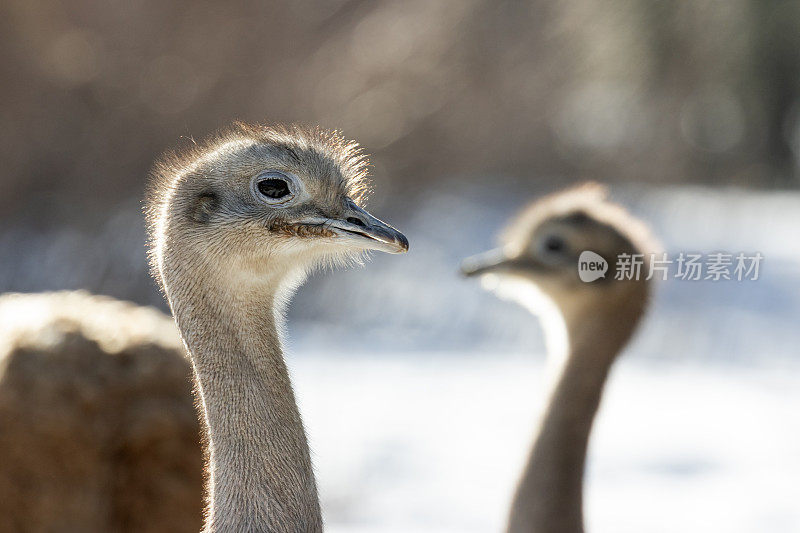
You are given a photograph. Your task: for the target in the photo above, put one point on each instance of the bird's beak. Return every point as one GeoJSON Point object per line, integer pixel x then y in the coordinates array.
{"type": "Point", "coordinates": [492, 261]}
{"type": "Point", "coordinates": [358, 228]}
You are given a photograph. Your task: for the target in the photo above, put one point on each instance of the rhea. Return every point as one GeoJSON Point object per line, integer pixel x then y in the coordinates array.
{"type": "Point", "coordinates": [235, 225]}
{"type": "Point", "coordinates": [586, 323]}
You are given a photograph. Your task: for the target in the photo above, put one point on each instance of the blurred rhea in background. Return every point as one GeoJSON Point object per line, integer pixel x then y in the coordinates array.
{"type": "Point", "coordinates": [469, 109]}
{"type": "Point", "coordinates": [587, 322]}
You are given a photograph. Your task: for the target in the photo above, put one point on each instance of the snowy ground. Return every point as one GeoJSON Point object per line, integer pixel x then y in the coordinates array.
{"type": "Point", "coordinates": [415, 442]}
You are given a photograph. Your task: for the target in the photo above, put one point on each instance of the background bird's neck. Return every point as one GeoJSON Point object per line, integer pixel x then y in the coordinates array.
{"type": "Point", "coordinates": [549, 495]}
{"type": "Point", "coordinates": [260, 475]}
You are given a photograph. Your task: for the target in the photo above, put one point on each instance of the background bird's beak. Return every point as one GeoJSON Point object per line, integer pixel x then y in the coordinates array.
{"type": "Point", "coordinates": [492, 261]}
{"type": "Point", "coordinates": [357, 227]}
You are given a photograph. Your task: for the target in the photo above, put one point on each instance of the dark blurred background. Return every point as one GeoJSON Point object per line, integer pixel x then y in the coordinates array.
{"type": "Point", "coordinates": [538, 93]}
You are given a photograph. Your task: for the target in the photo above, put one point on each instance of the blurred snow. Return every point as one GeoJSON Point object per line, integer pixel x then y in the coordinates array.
{"type": "Point", "coordinates": [432, 442]}
{"type": "Point", "coordinates": [422, 415]}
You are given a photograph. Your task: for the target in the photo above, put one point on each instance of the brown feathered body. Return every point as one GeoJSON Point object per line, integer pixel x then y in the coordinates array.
{"type": "Point", "coordinates": [97, 426]}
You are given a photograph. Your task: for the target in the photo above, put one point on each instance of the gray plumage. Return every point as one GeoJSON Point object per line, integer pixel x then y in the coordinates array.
{"type": "Point", "coordinates": [235, 225]}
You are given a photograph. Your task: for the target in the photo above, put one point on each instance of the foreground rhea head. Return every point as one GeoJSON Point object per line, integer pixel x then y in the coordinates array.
{"type": "Point", "coordinates": [259, 200]}
{"type": "Point", "coordinates": [543, 245]}
{"type": "Point", "coordinates": [234, 225]}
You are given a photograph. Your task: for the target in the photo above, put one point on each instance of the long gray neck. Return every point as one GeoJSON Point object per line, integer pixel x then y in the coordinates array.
{"type": "Point", "coordinates": [260, 474]}
{"type": "Point", "coordinates": [549, 496]}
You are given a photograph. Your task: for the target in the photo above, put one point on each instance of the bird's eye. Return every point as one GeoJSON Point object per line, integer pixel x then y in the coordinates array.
{"type": "Point", "coordinates": [553, 244]}
{"type": "Point", "coordinates": [274, 188]}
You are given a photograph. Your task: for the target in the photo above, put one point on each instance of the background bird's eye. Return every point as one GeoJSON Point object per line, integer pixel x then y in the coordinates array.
{"type": "Point", "coordinates": [553, 244]}
{"type": "Point", "coordinates": [274, 188]}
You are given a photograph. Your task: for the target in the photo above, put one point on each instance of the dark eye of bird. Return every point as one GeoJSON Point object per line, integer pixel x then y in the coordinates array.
{"type": "Point", "coordinates": [273, 188]}
{"type": "Point", "coordinates": [554, 244]}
